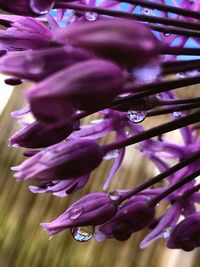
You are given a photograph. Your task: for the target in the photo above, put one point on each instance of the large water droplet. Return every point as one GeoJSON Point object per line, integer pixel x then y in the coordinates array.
{"type": "Point", "coordinates": [146, 11]}
{"type": "Point", "coordinates": [111, 155]}
{"type": "Point", "coordinates": [83, 233]}
{"type": "Point", "coordinates": [136, 116]}
{"type": "Point", "coordinates": [114, 195]}
{"type": "Point", "coordinates": [75, 213]}
{"type": "Point", "coordinates": [147, 74]}
{"type": "Point", "coordinates": [91, 16]}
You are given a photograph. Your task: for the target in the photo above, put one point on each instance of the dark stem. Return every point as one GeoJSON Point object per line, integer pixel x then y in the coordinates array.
{"type": "Point", "coordinates": [174, 30]}
{"type": "Point", "coordinates": [122, 14]}
{"type": "Point", "coordinates": [154, 201]}
{"type": "Point", "coordinates": [165, 8]}
{"type": "Point", "coordinates": [180, 51]}
{"type": "Point", "coordinates": [156, 88]}
{"type": "Point", "coordinates": [180, 66]}
{"type": "Point", "coordinates": [179, 101]}
{"type": "Point", "coordinates": [161, 176]}
{"type": "Point", "coordinates": [173, 109]}
{"type": "Point", "coordinates": [159, 130]}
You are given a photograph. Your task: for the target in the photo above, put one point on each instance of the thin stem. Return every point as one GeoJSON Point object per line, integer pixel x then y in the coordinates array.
{"type": "Point", "coordinates": [154, 201]}
{"type": "Point", "coordinates": [165, 8]}
{"type": "Point", "coordinates": [180, 66]}
{"type": "Point", "coordinates": [174, 30]}
{"type": "Point", "coordinates": [181, 51]}
{"type": "Point", "coordinates": [179, 101]}
{"type": "Point", "coordinates": [161, 176]}
{"type": "Point", "coordinates": [155, 131]}
{"type": "Point", "coordinates": [173, 109]}
{"type": "Point", "coordinates": [155, 88]}
{"type": "Point", "coordinates": [122, 14]}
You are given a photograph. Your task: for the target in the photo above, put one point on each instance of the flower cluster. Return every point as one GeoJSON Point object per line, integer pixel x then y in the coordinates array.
{"type": "Point", "coordinates": [113, 59]}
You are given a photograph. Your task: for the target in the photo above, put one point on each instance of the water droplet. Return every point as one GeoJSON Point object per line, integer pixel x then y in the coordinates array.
{"type": "Point", "coordinates": [111, 155]}
{"type": "Point", "coordinates": [97, 121]}
{"type": "Point", "coordinates": [166, 233]}
{"type": "Point", "coordinates": [146, 11]}
{"type": "Point", "coordinates": [147, 74]}
{"type": "Point", "coordinates": [177, 114]}
{"type": "Point", "coordinates": [136, 116]}
{"type": "Point", "coordinates": [75, 213]}
{"type": "Point", "coordinates": [114, 195]}
{"type": "Point", "coordinates": [91, 16]}
{"type": "Point", "coordinates": [180, 75]}
{"type": "Point", "coordinates": [83, 233]}
{"type": "Point", "coordinates": [166, 34]}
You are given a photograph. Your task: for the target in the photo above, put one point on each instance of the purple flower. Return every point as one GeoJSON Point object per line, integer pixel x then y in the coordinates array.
{"type": "Point", "coordinates": [92, 209]}
{"type": "Point", "coordinates": [132, 216]}
{"type": "Point", "coordinates": [74, 87]}
{"type": "Point", "coordinates": [64, 160]}
{"type": "Point", "coordinates": [186, 234]}
{"type": "Point", "coordinates": [38, 64]}
{"type": "Point", "coordinates": [24, 33]}
{"type": "Point", "coordinates": [123, 41]}
{"type": "Point", "coordinates": [60, 188]}
{"type": "Point", "coordinates": [27, 7]}
{"type": "Point", "coordinates": [38, 135]}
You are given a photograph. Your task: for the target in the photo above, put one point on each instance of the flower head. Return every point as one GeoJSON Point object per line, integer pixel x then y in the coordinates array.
{"type": "Point", "coordinates": [92, 209]}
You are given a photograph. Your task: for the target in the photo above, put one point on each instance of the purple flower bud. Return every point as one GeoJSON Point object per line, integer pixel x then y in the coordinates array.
{"type": "Point", "coordinates": [37, 64]}
{"type": "Point", "coordinates": [186, 234]}
{"type": "Point", "coordinates": [24, 33]}
{"type": "Point", "coordinates": [124, 41]}
{"type": "Point", "coordinates": [92, 209]}
{"type": "Point", "coordinates": [96, 80]}
{"type": "Point", "coordinates": [41, 6]}
{"type": "Point", "coordinates": [26, 7]}
{"type": "Point", "coordinates": [131, 217]}
{"type": "Point", "coordinates": [61, 188]}
{"type": "Point", "coordinates": [38, 135]}
{"type": "Point", "coordinates": [65, 160]}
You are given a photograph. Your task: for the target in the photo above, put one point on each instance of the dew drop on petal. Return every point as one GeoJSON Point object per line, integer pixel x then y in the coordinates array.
{"type": "Point", "coordinates": [166, 34]}
{"type": "Point", "coordinates": [146, 11]}
{"type": "Point", "coordinates": [136, 116]}
{"type": "Point", "coordinates": [111, 155]}
{"type": "Point", "coordinates": [177, 114]}
{"type": "Point", "coordinates": [166, 233]}
{"type": "Point", "coordinates": [91, 16]}
{"type": "Point", "coordinates": [114, 195]}
{"type": "Point", "coordinates": [83, 233]}
{"type": "Point", "coordinates": [75, 213]}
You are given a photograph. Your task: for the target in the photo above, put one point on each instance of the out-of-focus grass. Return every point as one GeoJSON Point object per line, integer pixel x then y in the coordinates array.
{"type": "Point", "coordinates": [22, 241]}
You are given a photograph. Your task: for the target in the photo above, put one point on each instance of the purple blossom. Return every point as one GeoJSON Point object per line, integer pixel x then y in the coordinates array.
{"type": "Point", "coordinates": [64, 160]}
{"type": "Point", "coordinates": [92, 209]}
{"type": "Point", "coordinates": [101, 59]}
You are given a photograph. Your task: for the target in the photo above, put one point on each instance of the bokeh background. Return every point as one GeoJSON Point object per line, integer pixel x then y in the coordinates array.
{"type": "Point", "coordinates": [24, 243]}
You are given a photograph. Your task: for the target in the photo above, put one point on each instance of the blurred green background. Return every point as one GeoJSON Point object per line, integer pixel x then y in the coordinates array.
{"type": "Point", "coordinates": [24, 243]}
